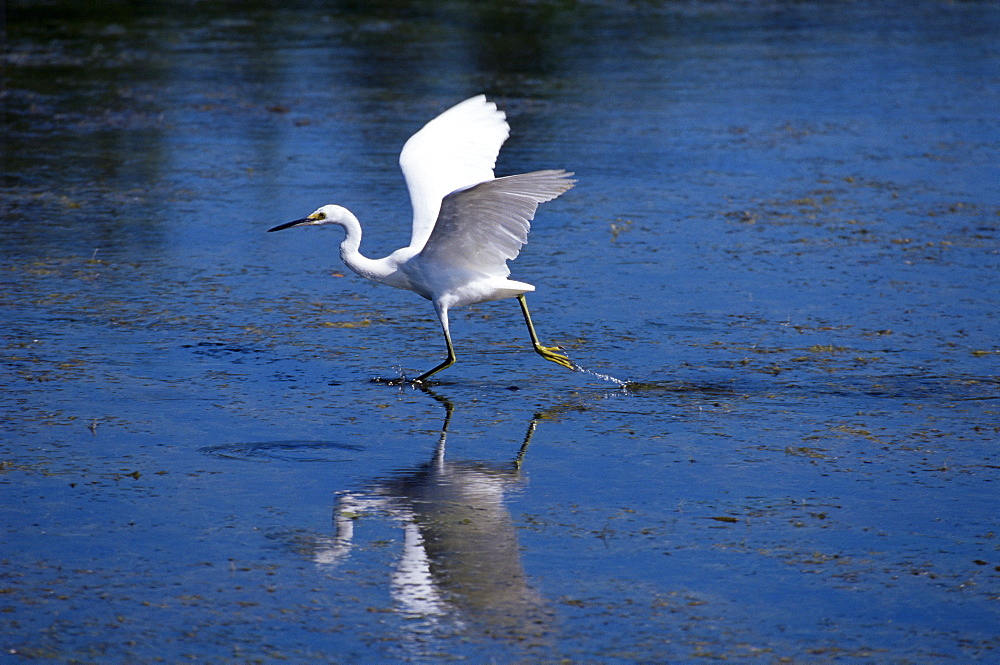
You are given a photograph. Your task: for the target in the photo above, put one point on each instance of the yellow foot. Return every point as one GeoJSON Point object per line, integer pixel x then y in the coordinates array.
{"type": "Point", "coordinates": [550, 353]}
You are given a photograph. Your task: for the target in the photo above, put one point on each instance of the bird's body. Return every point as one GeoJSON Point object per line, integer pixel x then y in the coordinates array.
{"type": "Point", "coordinates": [466, 223]}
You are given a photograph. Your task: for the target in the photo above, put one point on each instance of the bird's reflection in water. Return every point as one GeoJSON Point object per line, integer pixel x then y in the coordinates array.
{"type": "Point", "coordinates": [461, 559]}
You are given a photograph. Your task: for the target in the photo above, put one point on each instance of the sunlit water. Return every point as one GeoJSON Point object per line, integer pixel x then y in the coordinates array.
{"type": "Point", "coordinates": [777, 278]}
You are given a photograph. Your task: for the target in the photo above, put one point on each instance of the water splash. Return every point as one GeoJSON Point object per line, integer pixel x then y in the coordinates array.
{"type": "Point", "coordinates": [604, 377]}
{"type": "Point", "coordinates": [399, 380]}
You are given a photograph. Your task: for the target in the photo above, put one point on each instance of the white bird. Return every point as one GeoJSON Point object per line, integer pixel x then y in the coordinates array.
{"type": "Point", "coordinates": [466, 222]}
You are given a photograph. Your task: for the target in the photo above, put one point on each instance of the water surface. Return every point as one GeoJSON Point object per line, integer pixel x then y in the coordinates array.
{"type": "Point", "coordinates": [784, 237]}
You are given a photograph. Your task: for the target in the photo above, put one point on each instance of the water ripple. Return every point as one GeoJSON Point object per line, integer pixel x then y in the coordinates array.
{"type": "Point", "coordinates": [284, 451]}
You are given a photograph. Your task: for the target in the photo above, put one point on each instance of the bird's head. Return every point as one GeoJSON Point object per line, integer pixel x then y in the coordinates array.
{"type": "Point", "coordinates": [328, 214]}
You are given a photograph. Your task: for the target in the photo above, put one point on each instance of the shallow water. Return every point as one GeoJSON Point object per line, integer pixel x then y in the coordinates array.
{"type": "Point", "coordinates": [784, 240]}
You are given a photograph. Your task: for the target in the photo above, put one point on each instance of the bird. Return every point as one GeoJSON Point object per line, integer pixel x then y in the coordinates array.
{"type": "Point", "coordinates": [467, 223]}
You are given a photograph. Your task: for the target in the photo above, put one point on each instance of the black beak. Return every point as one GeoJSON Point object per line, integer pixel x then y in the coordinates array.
{"type": "Point", "coordinates": [288, 225]}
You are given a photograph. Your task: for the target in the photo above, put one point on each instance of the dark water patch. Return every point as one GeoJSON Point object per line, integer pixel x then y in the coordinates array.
{"type": "Point", "coordinates": [679, 387]}
{"type": "Point", "coordinates": [221, 350]}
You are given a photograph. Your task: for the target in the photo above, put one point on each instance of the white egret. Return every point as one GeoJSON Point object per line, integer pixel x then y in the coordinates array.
{"type": "Point", "coordinates": [466, 222]}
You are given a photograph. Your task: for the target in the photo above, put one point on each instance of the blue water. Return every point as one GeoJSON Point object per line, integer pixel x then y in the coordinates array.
{"type": "Point", "coordinates": [784, 240]}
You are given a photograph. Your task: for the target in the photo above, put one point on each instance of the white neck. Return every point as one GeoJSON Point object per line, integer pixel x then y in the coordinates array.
{"type": "Point", "coordinates": [377, 270]}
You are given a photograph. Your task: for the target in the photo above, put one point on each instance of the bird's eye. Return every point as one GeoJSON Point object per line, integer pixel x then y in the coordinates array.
{"type": "Point", "coordinates": [318, 215]}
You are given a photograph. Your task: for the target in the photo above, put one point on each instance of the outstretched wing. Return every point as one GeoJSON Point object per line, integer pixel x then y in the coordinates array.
{"type": "Point", "coordinates": [482, 227]}
{"type": "Point", "coordinates": [457, 149]}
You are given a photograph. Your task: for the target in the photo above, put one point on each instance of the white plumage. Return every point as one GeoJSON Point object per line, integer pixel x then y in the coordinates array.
{"type": "Point", "coordinates": [453, 151]}
{"type": "Point", "coordinates": [466, 223]}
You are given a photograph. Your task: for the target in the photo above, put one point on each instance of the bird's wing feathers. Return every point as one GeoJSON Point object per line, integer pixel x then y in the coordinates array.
{"type": "Point", "coordinates": [457, 149]}
{"type": "Point", "coordinates": [482, 227]}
